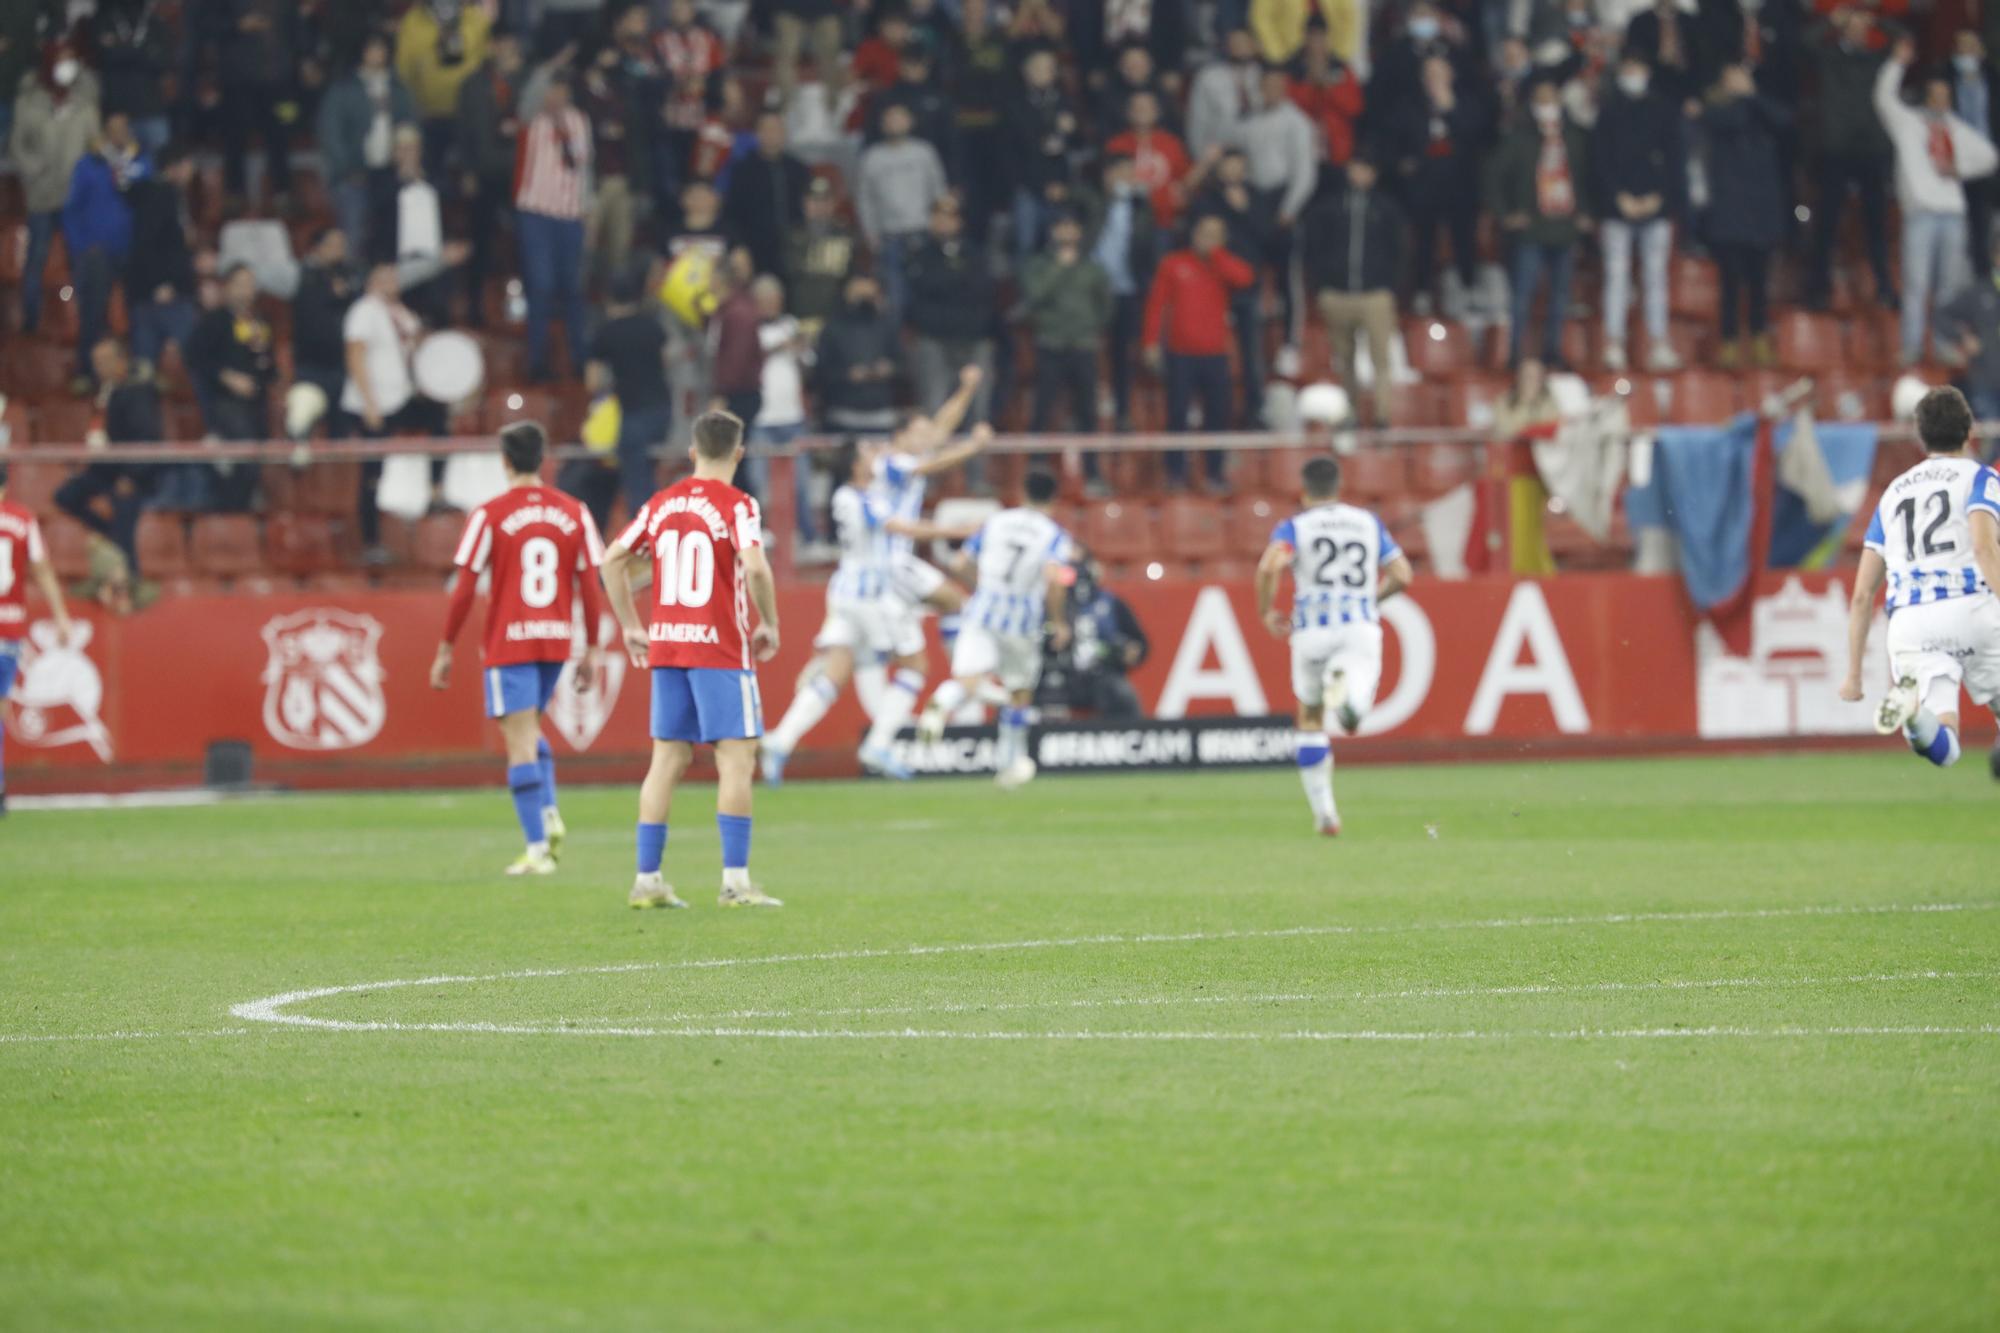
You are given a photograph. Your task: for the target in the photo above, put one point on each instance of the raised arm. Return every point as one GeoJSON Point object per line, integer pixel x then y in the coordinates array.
{"type": "Point", "coordinates": [1861, 613]}
{"type": "Point", "coordinates": [924, 434]}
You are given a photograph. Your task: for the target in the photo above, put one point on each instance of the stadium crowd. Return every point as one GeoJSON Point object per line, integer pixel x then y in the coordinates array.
{"type": "Point", "coordinates": [818, 213]}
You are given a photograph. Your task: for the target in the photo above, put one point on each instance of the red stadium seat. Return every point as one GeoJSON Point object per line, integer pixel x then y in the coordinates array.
{"type": "Point", "coordinates": [1469, 399]}
{"type": "Point", "coordinates": [504, 404]}
{"type": "Point", "coordinates": [1874, 340]}
{"type": "Point", "coordinates": [1119, 531]}
{"type": "Point", "coordinates": [1369, 475]}
{"type": "Point", "coordinates": [1437, 468]}
{"type": "Point", "coordinates": [399, 541]}
{"type": "Point", "coordinates": [1438, 347]}
{"type": "Point", "coordinates": [1694, 288]}
{"type": "Point", "coordinates": [1847, 396]}
{"type": "Point", "coordinates": [1195, 528]}
{"type": "Point", "coordinates": [301, 545]}
{"type": "Point", "coordinates": [162, 546]}
{"type": "Point", "coordinates": [1250, 525]}
{"type": "Point", "coordinates": [437, 541]}
{"type": "Point", "coordinates": [225, 546]}
{"type": "Point", "coordinates": [1808, 343]}
{"type": "Point", "coordinates": [33, 485]}
{"type": "Point", "coordinates": [64, 420]}
{"type": "Point", "coordinates": [69, 549]}
{"type": "Point", "coordinates": [1703, 397]}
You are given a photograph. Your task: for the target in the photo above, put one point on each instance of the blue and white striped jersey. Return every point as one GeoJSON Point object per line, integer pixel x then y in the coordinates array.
{"type": "Point", "coordinates": [1338, 551]}
{"type": "Point", "coordinates": [1013, 551]}
{"type": "Point", "coordinates": [899, 489]}
{"type": "Point", "coordinates": [1923, 533]}
{"type": "Point", "coordinates": [865, 551]}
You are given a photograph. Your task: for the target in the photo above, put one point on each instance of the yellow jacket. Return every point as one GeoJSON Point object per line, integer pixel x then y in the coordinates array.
{"type": "Point", "coordinates": [1280, 27]}
{"type": "Point", "coordinates": [431, 82]}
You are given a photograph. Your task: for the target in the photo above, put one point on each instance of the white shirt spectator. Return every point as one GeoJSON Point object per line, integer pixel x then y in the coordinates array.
{"type": "Point", "coordinates": [784, 385]}
{"type": "Point", "coordinates": [388, 335]}
{"type": "Point", "coordinates": [1920, 141]}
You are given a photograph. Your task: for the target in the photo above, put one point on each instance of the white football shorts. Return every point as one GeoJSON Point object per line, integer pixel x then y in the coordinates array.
{"type": "Point", "coordinates": [1015, 658]}
{"type": "Point", "coordinates": [1356, 650]}
{"type": "Point", "coordinates": [1947, 644]}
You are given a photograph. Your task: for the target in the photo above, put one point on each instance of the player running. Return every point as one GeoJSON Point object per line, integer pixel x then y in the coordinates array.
{"type": "Point", "coordinates": [541, 547]}
{"type": "Point", "coordinates": [706, 540]}
{"type": "Point", "coordinates": [1935, 539]}
{"type": "Point", "coordinates": [22, 556]}
{"type": "Point", "coordinates": [1022, 563]}
{"type": "Point", "coordinates": [1344, 565]}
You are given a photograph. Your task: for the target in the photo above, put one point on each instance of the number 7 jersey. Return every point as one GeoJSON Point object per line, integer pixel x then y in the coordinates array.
{"type": "Point", "coordinates": [540, 545]}
{"type": "Point", "coordinates": [696, 531]}
{"type": "Point", "coordinates": [1338, 551]}
{"type": "Point", "coordinates": [1923, 533]}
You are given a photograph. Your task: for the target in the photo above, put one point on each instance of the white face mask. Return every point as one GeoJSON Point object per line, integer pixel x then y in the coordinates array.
{"type": "Point", "coordinates": [1423, 29]}
{"type": "Point", "coordinates": [1547, 114]}
{"type": "Point", "coordinates": [1967, 64]}
{"type": "Point", "coordinates": [65, 72]}
{"type": "Point", "coordinates": [1634, 85]}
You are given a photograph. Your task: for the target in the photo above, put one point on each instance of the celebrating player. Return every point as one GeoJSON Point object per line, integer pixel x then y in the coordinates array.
{"type": "Point", "coordinates": [1023, 564]}
{"type": "Point", "coordinates": [541, 547]}
{"type": "Point", "coordinates": [1344, 564]}
{"type": "Point", "coordinates": [1935, 539]}
{"type": "Point", "coordinates": [706, 539]}
{"type": "Point", "coordinates": [21, 554]}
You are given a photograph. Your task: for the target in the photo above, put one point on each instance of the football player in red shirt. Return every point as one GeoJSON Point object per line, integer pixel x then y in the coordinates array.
{"type": "Point", "coordinates": [541, 548]}
{"type": "Point", "coordinates": [706, 542]}
{"type": "Point", "coordinates": [21, 554]}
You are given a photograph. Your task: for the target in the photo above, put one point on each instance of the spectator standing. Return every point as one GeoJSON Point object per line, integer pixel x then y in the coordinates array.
{"type": "Point", "coordinates": [932, 118]}
{"type": "Point", "coordinates": [1525, 413]}
{"type": "Point", "coordinates": [901, 181]}
{"type": "Point", "coordinates": [1125, 245]}
{"type": "Point", "coordinates": [1159, 160]}
{"type": "Point", "coordinates": [738, 356]}
{"type": "Point", "coordinates": [357, 141]}
{"type": "Point", "coordinates": [953, 304]}
{"type": "Point", "coordinates": [610, 104]}
{"type": "Point", "coordinates": [856, 360]}
{"type": "Point", "coordinates": [55, 122]}
{"type": "Point", "coordinates": [1434, 140]}
{"type": "Point", "coordinates": [1224, 94]}
{"type": "Point", "coordinates": [97, 230]}
{"type": "Point", "coordinates": [1284, 171]}
{"type": "Point", "coordinates": [1332, 98]}
{"type": "Point", "coordinates": [1745, 220]}
{"type": "Point", "coordinates": [1229, 197]}
{"type": "Point", "coordinates": [819, 254]}
{"type": "Point", "coordinates": [979, 70]}
{"type": "Point", "coordinates": [1537, 191]}
{"type": "Point", "coordinates": [128, 412]}
{"type": "Point", "coordinates": [233, 358]}
{"type": "Point", "coordinates": [133, 41]}
{"type": "Point", "coordinates": [19, 46]}
{"type": "Point", "coordinates": [1042, 134]}
{"type": "Point", "coordinates": [380, 335]}
{"type": "Point", "coordinates": [551, 191]}
{"type": "Point", "coordinates": [781, 397]}
{"type": "Point", "coordinates": [1851, 149]}
{"type": "Point", "coordinates": [1429, 32]}
{"type": "Point", "coordinates": [1976, 101]}
{"type": "Point", "coordinates": [328, 285]}
{"type": "Point", "coordinates": [256, 43]}
{"type": "Point", "coordinates": [439, 44]}
{"type": "Point", "coordinates": [1935, 153]}
{"type": "Point", "coordinates": [795, 23]}
{"type": "Point", "coordinates": [1069, 303]}
{"type": "Point", "coordinates": [489, 131]}
{"type": "Point", "coordinates": [691, 55]}
{"type": "Point", "coordinates": [1133, 73]}
{"type": "Point", "coordinates": [1638, 151]}
{"type": "Point", "coordinates": [416, 244]}
{"type": "Point", "coordinates": [1186, 333]}
{"type": "Point", "coordinates": [628, 359]}
{"type": "Point", "coordinates": [160, 284]}
{"type": "Point", "coordinates": [695, 253]}
{"type": "Point", "coordinates": [767, 193]}
{"type": "Point", "coordinates": [1673, 44]}
{"type": "Point", "coordinates": [1969, 325]}
{"type": "Point", "coordinates": [1353, 255]}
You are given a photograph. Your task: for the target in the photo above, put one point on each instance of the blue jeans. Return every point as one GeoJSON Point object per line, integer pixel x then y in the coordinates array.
{"type": "Point", "coordinates": [1032, 213]}
{"type": "Point", "coordinates": [1934, 268]}
{"type": "Point", "coordinates": [1531, 261]}
{"type": "Point", "coordinates": [892, 262]}
{"type": "Point", "coordinates": [778, 437]}
{"type": "Point", "coordinates": [1190, 378]}
{"type": "Point", "coordinates": [552, 274]}
{"type": "Point", "coordinates": [639, 435]}
{"type": "Point", "coordinates": [41, 234]}
{"type": "Point", "coordinates": [157, 323]}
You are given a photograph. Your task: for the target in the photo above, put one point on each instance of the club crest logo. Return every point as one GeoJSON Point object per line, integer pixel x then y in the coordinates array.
{"type": "Point", "coordinates": [60, 696]}
{"type": "Point", "coordinates": [579, 716]}
{"type": "Point", "coordinates": [323, 682]}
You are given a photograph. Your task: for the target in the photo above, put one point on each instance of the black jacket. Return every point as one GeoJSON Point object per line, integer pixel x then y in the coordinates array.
{"type": "Point", "coordinates": [932, 118]}
{"type": "Point", "coordinates": [488, 123]}
{"type": "Point", "coordinates": [857, 337]}
{"type": "Point", "coordinates": [1437, 152]}
{"type": "Point", "coordinates": [1639, 147]}
{"type": "Point", "coordinates": [263, 56]}
{"type": "Point", "coordinates": [132, 414]}
{"type": "Point", "coordinates": [1039, 146]}
{"type": "Point", "coordinates": [1250, 227]}
{"type": "Point", "coordinates": [1746, 186]}
{"type": "Point", "coordinates": [160, 256]}
{"type": "Point", "coordinates": [1354, 242]}
{"type": "Point", "coordinates": [952, 292]}
{"type": "Point", "coordinates": [319, 313]}
{"type": "Point", "coordinates": [766, 199]}
{"type": "Point", "coordinates": [1843, 112]}
{"type": "Point", "coordinates": [1142, 252]}
{"type": "Point", "coordinates": [134, 48]}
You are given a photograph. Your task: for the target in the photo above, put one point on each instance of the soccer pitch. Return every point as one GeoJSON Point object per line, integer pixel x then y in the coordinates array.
{"type": "Point", "coordinates": [1676, 1044]}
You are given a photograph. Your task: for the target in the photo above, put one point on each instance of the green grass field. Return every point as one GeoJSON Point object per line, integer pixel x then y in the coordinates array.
{"type": "Point", "coordinates": [1650, 1045]}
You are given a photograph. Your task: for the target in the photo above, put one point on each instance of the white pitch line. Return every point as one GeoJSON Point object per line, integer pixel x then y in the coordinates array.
{"type": "Point", "coordinates": [198, 1034]}
{"type": "Point", "coordinates": [271, 1008]}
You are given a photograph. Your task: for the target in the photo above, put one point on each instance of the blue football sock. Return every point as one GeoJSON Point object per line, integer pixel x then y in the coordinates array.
{"type": "Point", "coordinates": [546, 759]}
{"type": "Point", "coordinates": [525, 781]}
{"type": "Point", "coordinates": [735, 830]}
{"type": "Point", "coordinates": [652, 847]}
{"type": "Point", "coordinates": [1943, 749]}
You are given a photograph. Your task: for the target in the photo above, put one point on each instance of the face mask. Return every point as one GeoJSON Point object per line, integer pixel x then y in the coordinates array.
{"type": "Point", "coordinates": [1547, 115]}
{"type": "Point", "coordinates": [65, 72]}
{"type": "Point", "coordinates": [1633, 85]}
{"type": "Point", "coordinates": [1423, 30]}
{"type": "Point", "coordinates": [1966, 64]}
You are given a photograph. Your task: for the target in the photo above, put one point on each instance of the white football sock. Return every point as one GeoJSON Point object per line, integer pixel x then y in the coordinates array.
{"type": "Point", "coordinates": [898, 703]}
{"type": "Point", "coordinates": [809, 705]}
{"type": "Point", "coordinates": [1315, 759]}
{"type": "Point", "coordinates": [948, 698]}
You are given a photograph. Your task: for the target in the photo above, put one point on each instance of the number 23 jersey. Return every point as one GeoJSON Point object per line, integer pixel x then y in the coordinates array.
{"type": "Point", "coordinates": [1922, 530]}
{"type": "Point", "coordinates": [537, 542]}
{"type": "Point", "coordinates": [1338, 551]}
{"type": "Point", "coordinates": [696, 531]}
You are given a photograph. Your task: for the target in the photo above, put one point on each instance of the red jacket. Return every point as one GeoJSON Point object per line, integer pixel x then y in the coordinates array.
{"type": "Point", "coordinates": [1333, 108]}
{"type": "Point", "coordinates": [1190, 297]}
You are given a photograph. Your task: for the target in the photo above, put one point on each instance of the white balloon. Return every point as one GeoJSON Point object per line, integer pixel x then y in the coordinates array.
{"type": "Point", "coordinates": [1903, 399]}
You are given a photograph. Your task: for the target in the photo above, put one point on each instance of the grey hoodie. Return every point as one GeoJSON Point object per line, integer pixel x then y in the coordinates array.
{"type": "Point", "coordinates": [899, 183]}
{"type": "Point", "coordinates": [49, 140]}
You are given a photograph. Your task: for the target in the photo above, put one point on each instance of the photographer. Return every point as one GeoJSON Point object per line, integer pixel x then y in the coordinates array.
{"type": "Point", "coordinates": [1107, 643]}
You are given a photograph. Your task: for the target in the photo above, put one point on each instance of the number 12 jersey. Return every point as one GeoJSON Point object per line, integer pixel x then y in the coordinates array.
{"type": "Point", "coordinates": [696, 531]}
{"type": "Point", "coordinates": [1923, 533]}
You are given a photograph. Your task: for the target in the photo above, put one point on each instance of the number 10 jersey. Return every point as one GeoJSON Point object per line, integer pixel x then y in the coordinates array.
{"type": "Point", "coordinates": [696, 531]}
{"type": "Point", "coordinates": [1923, 533]}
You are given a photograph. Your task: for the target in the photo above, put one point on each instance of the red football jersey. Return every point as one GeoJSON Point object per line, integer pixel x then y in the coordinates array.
{"type": "Point", "coordinates": [696, 532]}
{"type": "Point", "coordinates": [20, 550]}
{"type": "Point", "coordinates": [540, 544]}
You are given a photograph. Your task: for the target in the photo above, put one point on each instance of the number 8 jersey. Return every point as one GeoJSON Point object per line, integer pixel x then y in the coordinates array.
{"type": "Point", "coordinates": [695, 530]}
{"type": "Point", "coordinates": [1338, 551]}
{"type": "Point", "coordinates": [540, 546]}
{"type": "Point", "coordinates": [1922, 533]}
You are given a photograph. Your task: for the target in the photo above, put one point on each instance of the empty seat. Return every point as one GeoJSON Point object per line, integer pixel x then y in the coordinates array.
{"type": "Point", "coordinates": [1702, 397]}
{"type": "Point", "coordinates": [1374, 474]}
{"type": "Point", "coordinates": [1119, 531]}
{"type": "Point", "coordinates": [1694, 288]}
{"type": "Point", "coordinates": [33, 485]}
{"type": "Point", "coordinates": [1808, 343]}
{"type": "Point", "coordinates": [1437, 468]}
{"type": "Point", "coordinates": [1438, 347]}
{"type": "Point", "coordinates": [1195, 527]}
{"type": "Point", "coordinates": [505, 404]}
{"type": "Point", "coordinates": [301, 545]}
{"type": "Point", "coordinates": [1251, 523]}
{"type": "Point", "coordinates": [64, 420]}
{"type": "Point", "coordinates": [162, 545]}
{"type": "Point", "coordinates": [225, 546]}
{"type": "Point", "coordinates": [69, 549]}
{"type": "Point", "coordinates": [436, 541]}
